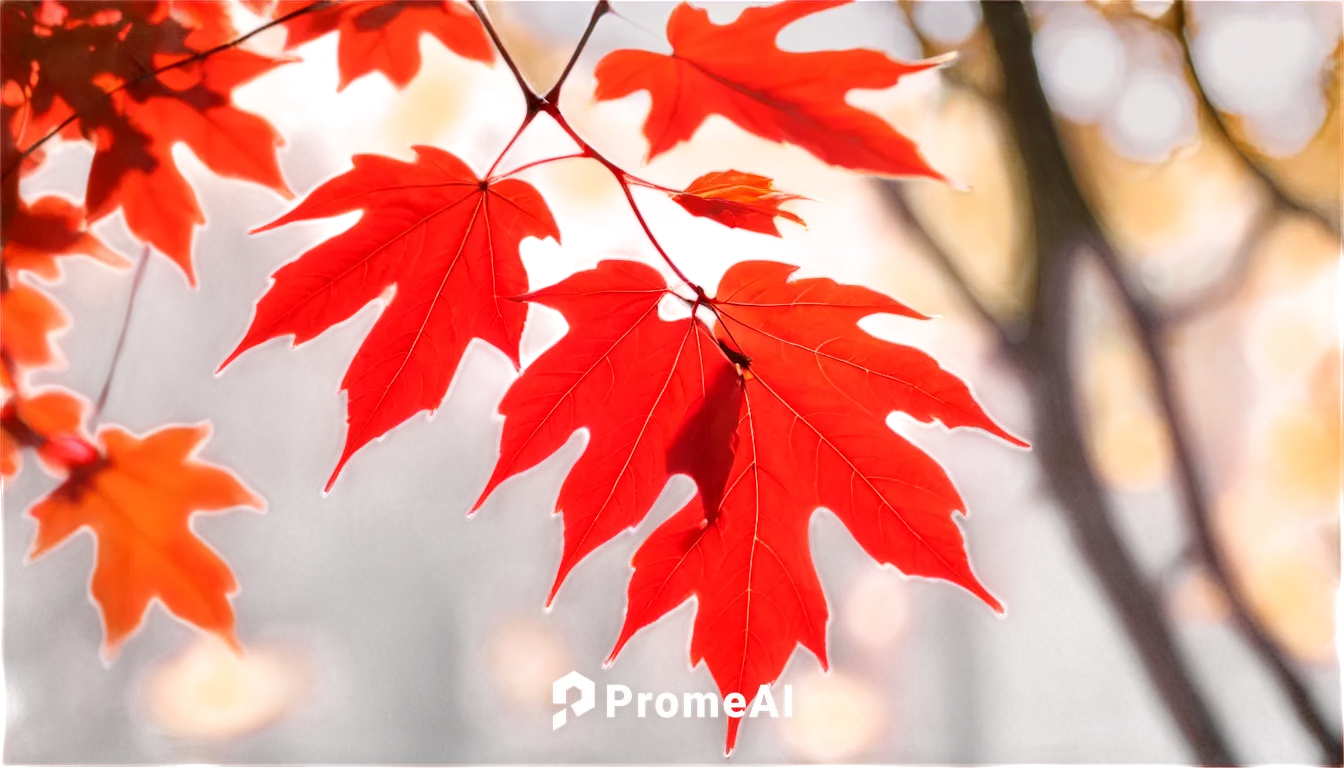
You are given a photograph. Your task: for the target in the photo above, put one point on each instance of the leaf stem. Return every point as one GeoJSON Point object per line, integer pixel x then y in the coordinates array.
{"type": "Point", "coordinates": [121, 337]}
{"type": "Point", "coordinates": [601, 9]}
{"type": "Point", "coordinates": [201, 56]}
{"type": "Point", "coordinates": [536, 163]}
{"type": "Point", "coordinates": [531, 114]}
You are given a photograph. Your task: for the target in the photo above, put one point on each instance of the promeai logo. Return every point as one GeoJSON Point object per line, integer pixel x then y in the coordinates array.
{"type": "Point", "coordinates": [560, 695]}
{"type": "Point", "coordinates": [666, 704]}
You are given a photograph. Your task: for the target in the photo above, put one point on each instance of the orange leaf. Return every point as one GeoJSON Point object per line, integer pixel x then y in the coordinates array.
{"type": "Point", "coordinates": [740, 200]}
{"type": "Point", "coordinates": [138, 502]}
{"type": "Point", "coordinates": [134, 114]}
{"type": "Point", "coordinates": [29, 316]}
{"type": "Point", "coordinates": [52, 227]}
{"type": "Point", "coordinates": [384, 36]}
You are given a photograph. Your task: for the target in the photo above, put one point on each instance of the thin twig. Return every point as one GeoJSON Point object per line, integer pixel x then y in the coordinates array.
{"type": "Point", "coordinates": [527, 120]}
{"type": "Point", "coordinates": [201, 56]}
{"type": "Point", "coordinates": [504, 54]}
{"type": "Point", "coordinates": [139, 278]}
{"type": "Point", "coordinates": [535, 163]}
{"type": "Point", "coordinates": [551, 106]}
{"type": "Point", "coordinates": [1281, 196]}
{"type": "Point", "coordinates": [599, 10]}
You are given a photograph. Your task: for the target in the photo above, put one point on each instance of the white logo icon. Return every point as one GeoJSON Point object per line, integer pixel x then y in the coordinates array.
{"type": "Point", "coordinates": [587, 696]}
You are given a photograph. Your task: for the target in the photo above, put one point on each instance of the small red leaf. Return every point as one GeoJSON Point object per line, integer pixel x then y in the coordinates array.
{"type": "Point", "coordinates": [740, 200]}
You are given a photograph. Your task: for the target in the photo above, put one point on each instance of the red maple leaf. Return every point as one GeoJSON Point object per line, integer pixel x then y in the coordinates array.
{"type": "Point", "coordinates": [627, 376]}
{"type": "Point", "coordinates": [384, 35]}
{"type": "Point", "coordinates": [50, 421]}
{"type": "Point", "coordinates": [49, 228]}
{"type": "Point", "coordinates": [449, 243]}
{"type": "Point", "coordinates": [783, 413]}
{"type": "Point", "coordinates": [740, 200]}
{"type": "Point", "coordinates": [133, 112]}
{"type": "Point", "coordinates": [737, 70]}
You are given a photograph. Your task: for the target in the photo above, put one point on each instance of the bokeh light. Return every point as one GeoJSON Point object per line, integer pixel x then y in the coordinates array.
{"type": "Point", "coordinates": [1082, 61]}
{"type": "Point", "coordinates": [208, 694]}
{"type": "Point", "coordinates": [1129, 441]}
{"type": "Point", "coordinates": [523, 654]}
{"type": "Point", "coordinates": [1285, 569]}
{"type": "Point", "coordinates": [1266, 62]}
{"type": "Point", "coordinates": [877, 610]}
{"type": "Point", "coordinates": [1199, 603]}
{"type": "Point", "coordinates": [1131, 447]}
{"type": "Point", "coordinates": [1153, 115]}
{"type": "Point", "coordinates": [836, 717]}
{"type": "Point", "coordinates": [1285, 342]}
{"type": "Point", "coordinates": [1289, 436]}
{"type": "Point", "coordinates": [948, 22]}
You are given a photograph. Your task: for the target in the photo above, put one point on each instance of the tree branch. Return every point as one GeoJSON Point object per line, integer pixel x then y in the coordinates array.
{"type": "Point", "coordinates": [550, 105]}
{"type": "Point", "coordinates": [910, 221]}
{"type": "Point", "coordinates": [528, 92]}
{"type": "Point", "coordinates": [201, 56]}
{"type": "Point", "coordinates": [1281, 196]}
{"type": "Point", "coordinates": [1233, 276]}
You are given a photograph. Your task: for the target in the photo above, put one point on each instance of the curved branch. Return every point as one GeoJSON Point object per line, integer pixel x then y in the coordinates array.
{"type": "Point", "coordinates": [1006, 336]}
{"type": "Point", "coordinates": [1233, 275]}
{"type": "Point", "coordinates": [1195, 505]}
{"type": "Point", "coordinates": [1281, 196]}
{"type": "Point", "coordinates": [201, 56]}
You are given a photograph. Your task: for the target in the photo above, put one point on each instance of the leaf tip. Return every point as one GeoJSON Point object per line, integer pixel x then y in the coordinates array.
{"type": "Point", "coordinates": [942, 60]}
{"type": "Point", "coordinates": [110, 649]}
{"type": "Point", "coordinates": [230, 637]}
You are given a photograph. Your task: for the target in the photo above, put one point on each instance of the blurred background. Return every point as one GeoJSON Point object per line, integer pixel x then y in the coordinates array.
{"type": "Point", "coordinates": [1143, 281]}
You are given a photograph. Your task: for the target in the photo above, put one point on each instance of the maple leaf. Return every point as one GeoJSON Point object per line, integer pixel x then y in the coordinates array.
{"type": "Point", "coordinates": [740, 200]}
{"type": "Point", "coordinates": [384, 36]}
{"type": "Point", "coordinates": [138, 500]}
{"type": "Point", "coordinates": [737, 70]}
{"type": "Point", "coordinates": [45, 232]}
{"type": "Point", "coordinates": [134, 113]}
{"type": "Point", "coordinates": [447, 240]}
{"type": "Point", "coordinates": [626, 375]}
{"type": "Point", "coordinates": [811, 432]}
{"type": "Point", "coordinates": [28, 317]}
{"type": "Point", "coordinates": [52, 227]}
